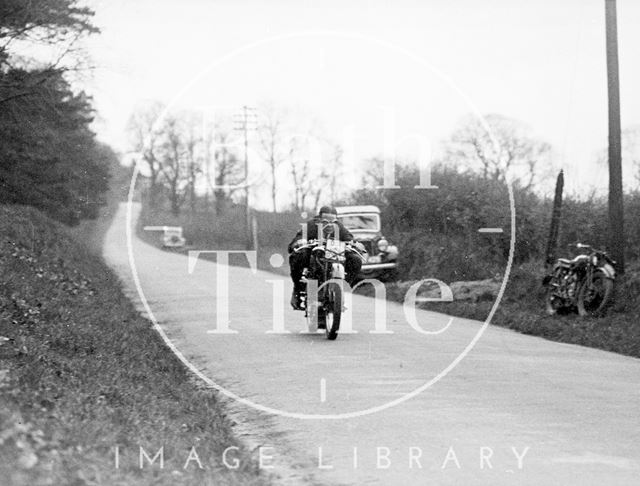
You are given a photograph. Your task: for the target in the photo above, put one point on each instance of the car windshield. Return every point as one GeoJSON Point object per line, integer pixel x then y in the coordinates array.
{"type": "Point", "coordinates": [361, 221]}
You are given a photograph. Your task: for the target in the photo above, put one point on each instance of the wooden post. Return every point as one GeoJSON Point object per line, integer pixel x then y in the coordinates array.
{"type": "Point", "coordinates": [254, 232]}
{"type": "Point", "coordinates": [616, 206]}
{"type": "Point", "coordinates": [554, 229]}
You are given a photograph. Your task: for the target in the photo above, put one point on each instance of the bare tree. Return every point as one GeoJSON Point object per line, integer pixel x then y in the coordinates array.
{"type": "Point", "coordinates": [631, 154]}
{"type": "Point", "coordinates": [302, 180]}
{"type": "Point", "coordinates": [144, 140]}
{"type": "Point", "coordinates": [304, 173]}
{"type": "Point", "coordinates": [334, 171]}
{"type": "Point", "coordinates": [507, 151]}
{"type": "Point", "coordinates": [222, 167]}
{"type": "Point", "coordinates": [192, 135]}
{"type": "Point", "coordinates": [270, 134]}
{"type": "Point", "coordinates": [326, 182]}
{"type": "Point", "coordinates": [630, 137]}
{"type": "Point", "coordinates": [174, 162]}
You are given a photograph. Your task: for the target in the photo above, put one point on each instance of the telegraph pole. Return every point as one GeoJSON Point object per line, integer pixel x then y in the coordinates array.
{"type": "Point", "coordinates": [616, 207]}
{"type": "Point", "coordinates": [245, 121]}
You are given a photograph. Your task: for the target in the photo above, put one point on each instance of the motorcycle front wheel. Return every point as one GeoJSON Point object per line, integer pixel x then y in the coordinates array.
{"type": "Point", "coordinates": [595, 296]}
{"type": "Point", "coordinates": [332, 310]}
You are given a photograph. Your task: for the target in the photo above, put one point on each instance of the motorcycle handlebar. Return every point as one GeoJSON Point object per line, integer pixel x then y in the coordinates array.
{"type": "Point", "coordinates": [583, 246]}
{"type": "Point", "coordinates": [313, 243]}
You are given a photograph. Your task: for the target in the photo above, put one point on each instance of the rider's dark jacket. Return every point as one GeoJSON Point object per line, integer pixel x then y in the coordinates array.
{"type": "Point", "coordinates": [328, 229]}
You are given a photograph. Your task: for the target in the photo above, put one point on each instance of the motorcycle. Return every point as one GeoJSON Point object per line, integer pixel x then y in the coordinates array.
{"type": "Point", "coordinates": [324, 283]}
{"type": "Point", "coordinates": [584, 283]}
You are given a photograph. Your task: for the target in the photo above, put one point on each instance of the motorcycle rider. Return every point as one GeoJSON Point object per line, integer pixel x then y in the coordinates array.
{"type": "Point", "coordinates": [326, 222]}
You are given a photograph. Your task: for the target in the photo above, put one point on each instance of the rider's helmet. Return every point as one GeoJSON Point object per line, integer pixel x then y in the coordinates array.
{"type": "Point", "coordinates": [328, 213]}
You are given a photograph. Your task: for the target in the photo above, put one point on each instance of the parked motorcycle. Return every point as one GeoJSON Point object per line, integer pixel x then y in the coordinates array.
{"type": "Point", "coordinates": [584, 283]}
{"type": "Point", "coordinates": [325, 279]}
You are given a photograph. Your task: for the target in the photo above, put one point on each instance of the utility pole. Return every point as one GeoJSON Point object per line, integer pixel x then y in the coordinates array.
{"type": "Point", "coordinates": [245, 121]}
{"type": "Point", "coordinates": [616, 206]}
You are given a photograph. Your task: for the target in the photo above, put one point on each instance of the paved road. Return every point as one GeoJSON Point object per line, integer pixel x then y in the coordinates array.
{"type": "Point", "coordinates": [570, 413]}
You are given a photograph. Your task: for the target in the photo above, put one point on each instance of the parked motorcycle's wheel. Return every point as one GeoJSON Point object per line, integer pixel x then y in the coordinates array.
{"type": "Point", "coordinates": [595, 296]}
{"type": "Point", "coordinates": [332, 310]}
{"type": "Point", "coordinates": [553, 303]}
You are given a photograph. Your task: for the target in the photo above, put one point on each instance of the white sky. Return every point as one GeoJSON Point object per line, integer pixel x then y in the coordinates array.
{"type": "Point", "coordinates": [542, 62]}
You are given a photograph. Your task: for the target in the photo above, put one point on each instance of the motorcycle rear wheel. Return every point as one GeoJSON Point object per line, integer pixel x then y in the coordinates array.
{"type": "Point", "coordinates": [593, 299]}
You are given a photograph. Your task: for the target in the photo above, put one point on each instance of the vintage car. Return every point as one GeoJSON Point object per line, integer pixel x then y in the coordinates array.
{"type": "Point", "coordinates": [171, 235]}
{"type": "Point", "coordinates": [364, 224]}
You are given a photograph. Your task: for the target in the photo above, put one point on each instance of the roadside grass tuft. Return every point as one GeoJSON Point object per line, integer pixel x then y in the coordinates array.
{"type": "Point", "coordinates": [81, 372]}
{"type": "Point", "coordinates": [522, 309]}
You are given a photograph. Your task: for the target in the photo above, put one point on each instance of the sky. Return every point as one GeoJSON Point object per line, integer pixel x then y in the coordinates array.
{"type": "Point", "coordinates": [352, 65]}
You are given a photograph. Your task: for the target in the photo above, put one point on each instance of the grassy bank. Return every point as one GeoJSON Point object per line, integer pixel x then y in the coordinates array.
{"type": "Point", "coordinates": [522, 309]}
{"type": "Point", "coordinates": [81, 373]}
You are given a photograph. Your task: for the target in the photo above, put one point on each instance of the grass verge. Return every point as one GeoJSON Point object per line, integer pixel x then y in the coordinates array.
{"type": "Point", "coordinates": [81, 373]}
{"type": "Point", "coordinates": [522, 309]}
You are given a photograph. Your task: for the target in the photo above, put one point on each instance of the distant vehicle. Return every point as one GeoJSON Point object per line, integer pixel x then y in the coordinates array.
{"type": "Point", "coordinates": [365, 225]}
{"type": "Point", "coordinates": [171, 235]}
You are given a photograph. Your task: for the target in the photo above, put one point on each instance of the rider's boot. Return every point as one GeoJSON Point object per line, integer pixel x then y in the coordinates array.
{"type": "Point", "coordinates": [296, 301]}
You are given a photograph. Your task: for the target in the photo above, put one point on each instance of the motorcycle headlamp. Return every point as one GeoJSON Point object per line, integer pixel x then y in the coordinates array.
{"type": "Point", "coordinates": [383, 245]}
